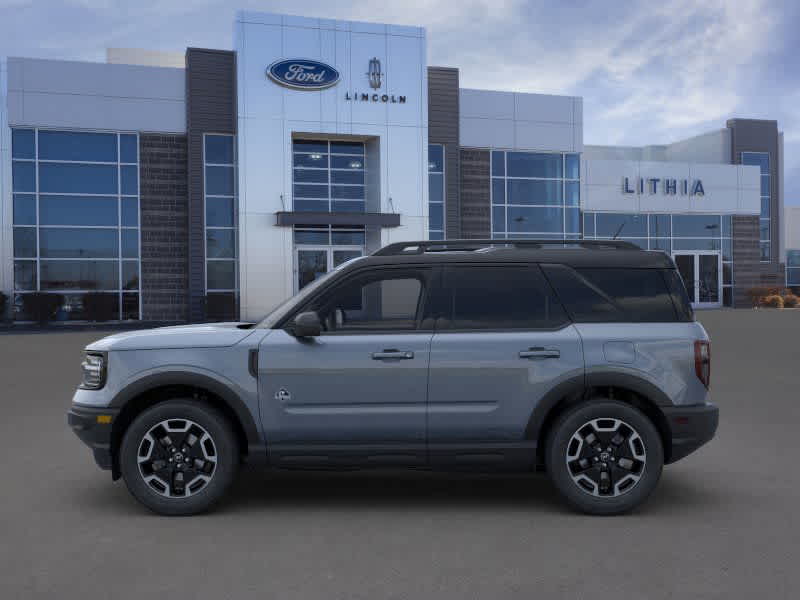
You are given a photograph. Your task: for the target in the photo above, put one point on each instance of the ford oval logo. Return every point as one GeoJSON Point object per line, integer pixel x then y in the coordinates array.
{"type": "Point", "coordinates": [303, 74]}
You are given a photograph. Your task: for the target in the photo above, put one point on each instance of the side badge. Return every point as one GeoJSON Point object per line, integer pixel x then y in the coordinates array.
{"type": "Point", "coordinates": [283, 395]}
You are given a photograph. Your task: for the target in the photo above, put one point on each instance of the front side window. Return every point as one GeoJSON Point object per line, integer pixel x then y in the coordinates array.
{"type": "Point", "coordinates": [498, 297]}
{"type": "Point", "coordinates": [374, 302]}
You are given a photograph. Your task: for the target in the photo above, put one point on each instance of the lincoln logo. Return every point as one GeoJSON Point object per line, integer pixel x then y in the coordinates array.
{"type": "Point", "coordinates": [301, 74]}
{"type": "Point", "coordinates": [374, 74]}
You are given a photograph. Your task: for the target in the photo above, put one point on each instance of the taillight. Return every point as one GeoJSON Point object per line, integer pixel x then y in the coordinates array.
{"type": "Point", "coordinates": [702, 361]}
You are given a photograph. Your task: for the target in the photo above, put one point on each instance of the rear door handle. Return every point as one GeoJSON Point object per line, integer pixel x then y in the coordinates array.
{"type": "Point", "coordinates": [393, 354]}
{"type": "Point", "coordinates": [539, 353]}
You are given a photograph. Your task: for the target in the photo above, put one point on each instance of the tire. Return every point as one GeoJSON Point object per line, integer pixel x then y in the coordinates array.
{"type": "Point", "coordinates": [163, 431]}
{"type": "Point", "coordinates": [586, 489]}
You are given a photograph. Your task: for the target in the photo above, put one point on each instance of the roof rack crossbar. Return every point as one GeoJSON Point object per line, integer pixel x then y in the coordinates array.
{"type": "Point", "coordinates": [419, 247]}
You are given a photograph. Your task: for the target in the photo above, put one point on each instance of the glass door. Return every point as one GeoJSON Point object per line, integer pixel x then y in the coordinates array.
{"type": "Point", "coordinates": [702, 275]}
{"type": "Point", "coordinates": [312, 262]}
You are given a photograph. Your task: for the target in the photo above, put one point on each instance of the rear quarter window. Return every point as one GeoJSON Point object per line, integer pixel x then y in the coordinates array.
{"type": "Point", "coordinates": [600, 295]}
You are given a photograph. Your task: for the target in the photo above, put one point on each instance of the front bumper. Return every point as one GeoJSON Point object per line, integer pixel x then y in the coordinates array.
{"type": "Point", "coordinates": [94, 432]}
{"type": "Point", "coordinates": [691, 426]}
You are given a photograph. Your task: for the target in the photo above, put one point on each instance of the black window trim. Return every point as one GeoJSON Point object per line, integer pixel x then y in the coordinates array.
{"type": "Point", "coordinates": [427, 274]}
{"type": "Point", "coordinates": [499, 265]}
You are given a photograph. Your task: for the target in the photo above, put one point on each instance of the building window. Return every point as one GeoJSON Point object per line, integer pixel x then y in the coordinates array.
{"type": "Point", "coordinates": [76, 222]}
{"type": "Point", "coordinates": [222, 281]}
{"type": "Point", "coordinates": [669, 233]}
{"type": "Point", "coordinates": [535, 195]}
{"type": "Point", "coordinates": [328, 176]}
{"type": "Point", "coordinates": [761, 160]}
{"type": "Point", "coordinates": [436, 192]}
{"type": "Point", "coordinates": [793, 268]}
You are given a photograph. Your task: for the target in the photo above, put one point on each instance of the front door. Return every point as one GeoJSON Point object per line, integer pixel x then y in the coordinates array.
{"type": "Point", "coordinates": [502, 342]}
{"type": "Point", "coordinates": [702, 274]}
{"type": "Point", "coordinates": [358, 392]}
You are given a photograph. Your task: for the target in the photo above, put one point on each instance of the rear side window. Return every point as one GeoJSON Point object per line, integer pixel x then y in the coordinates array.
{"type": "Point", "coordinates": [498, 297]}
{"type": "Point", "coordinates": [599, 295]}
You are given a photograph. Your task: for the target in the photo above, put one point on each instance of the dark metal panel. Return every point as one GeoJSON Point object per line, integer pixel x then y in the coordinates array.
{"type": "Point", "coordinates": [210, 108]}
{"type": "Point", "coordinates": [443, 128]}
{"type": "Point", "coordinates": [286, 219]}
{"type": "Point", "coordinates": [755, 135]}
{"type": "Point", "coordinates": [476, 218]}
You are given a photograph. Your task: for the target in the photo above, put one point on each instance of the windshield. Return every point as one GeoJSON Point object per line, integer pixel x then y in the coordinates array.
{"type": "Point", "coordinates": [287, 305]}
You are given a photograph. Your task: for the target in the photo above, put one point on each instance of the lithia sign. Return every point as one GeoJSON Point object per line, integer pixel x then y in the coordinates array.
{"type": "Point", "coordinates": [306, 74]}
{"type": "Point", "coordinates": [667, 186]}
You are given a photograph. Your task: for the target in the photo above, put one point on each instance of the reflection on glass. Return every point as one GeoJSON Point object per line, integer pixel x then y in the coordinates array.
{"type": "Point", "coordinates": [310, 265]}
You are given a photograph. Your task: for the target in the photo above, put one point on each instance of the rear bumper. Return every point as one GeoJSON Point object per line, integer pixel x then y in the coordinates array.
{"type": "Point", "coordinates": [83, 421]}
{"type": "Point", "coordinates": [691, 426]}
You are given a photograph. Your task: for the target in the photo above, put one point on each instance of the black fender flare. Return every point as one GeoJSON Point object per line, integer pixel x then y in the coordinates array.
{"type": "Point", "coordinates": [188, 378]}
{"type": "Point", "coordinates": [578, 386]}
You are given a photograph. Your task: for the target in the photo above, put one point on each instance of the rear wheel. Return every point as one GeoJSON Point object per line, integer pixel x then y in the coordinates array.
{"type": "Point", "coordinates": [179, 457]}
{"type": "Point", "coordinates": [605, 457]}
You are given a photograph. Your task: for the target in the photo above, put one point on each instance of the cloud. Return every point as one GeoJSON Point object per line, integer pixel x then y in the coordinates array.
{"type": "Point", "coordinates": [649, 72]}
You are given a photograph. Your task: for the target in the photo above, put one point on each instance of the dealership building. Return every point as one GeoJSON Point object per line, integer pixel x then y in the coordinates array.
{"type": "Point", "coordinates": [213, 184]}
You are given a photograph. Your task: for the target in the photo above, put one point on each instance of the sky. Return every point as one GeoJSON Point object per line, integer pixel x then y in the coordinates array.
{"type": "Point", "coordinates": [649, 72]}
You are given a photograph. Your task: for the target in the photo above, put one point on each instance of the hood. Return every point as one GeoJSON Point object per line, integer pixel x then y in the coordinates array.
{"type": "Point", "coordinates": [207, 335]}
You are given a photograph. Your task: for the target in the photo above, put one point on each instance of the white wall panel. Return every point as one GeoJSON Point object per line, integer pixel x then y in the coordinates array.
{"type": "Point", "coordinates": [486, 133]}
{"type": "Point", "coordinates": [486, 104]}
{"type": "Point", "coordinates": [540, 135]}
{"type": "Point", "coordinates": [54, 93]}
{"type": "Point", "coordinates": [725, 193]}
{"type": "Point", "coordinates": [363, 47]}
{"type": "Point", "coordinates": [535, 121]}
{"type": "Point", "coordinates": [270, 115]}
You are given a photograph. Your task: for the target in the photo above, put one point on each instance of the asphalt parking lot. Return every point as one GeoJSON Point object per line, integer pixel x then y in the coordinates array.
{"type": "Point", "coordinates": [724, 523]}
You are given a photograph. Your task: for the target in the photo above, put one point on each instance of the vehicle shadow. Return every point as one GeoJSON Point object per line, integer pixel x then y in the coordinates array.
{"type": "Point", "coordinates": [258, 491]}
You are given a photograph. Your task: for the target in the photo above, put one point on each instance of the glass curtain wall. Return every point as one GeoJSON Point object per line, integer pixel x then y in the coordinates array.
{"type": "Point", "coordinates": [76, 221]}
{"type": "Point", "coordinates": [793, 268]}
{"type": "Point", "coordinates": [535, 195]}
{"type": "Point", "coordinates": [669, 233]}
{"type": "Point", "coordinates": [222, 281]}
{"type": "Point", "coordinates": [435, 191]}
{"type": "Point", "coordinates": [328, 176]}
{"type": "Point", "coordinates": [761, 160]}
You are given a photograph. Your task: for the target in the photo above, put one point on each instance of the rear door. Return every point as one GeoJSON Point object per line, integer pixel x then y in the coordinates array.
{"type": "Point", "coordinates": [502, 342]}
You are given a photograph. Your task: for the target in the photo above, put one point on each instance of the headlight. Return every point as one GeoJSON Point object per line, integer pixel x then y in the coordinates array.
{"type": "Point", "coordinates": [94, 370]}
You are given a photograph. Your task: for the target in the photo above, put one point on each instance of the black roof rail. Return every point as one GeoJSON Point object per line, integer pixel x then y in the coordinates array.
{"type": "Point", "coordinates": [422, 246]}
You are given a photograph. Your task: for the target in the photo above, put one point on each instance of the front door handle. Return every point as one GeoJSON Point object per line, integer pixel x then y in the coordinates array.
{"type": "Point", "coordinates": [393, 354]}
{"type": "Point", "coordinates": [538, 353]}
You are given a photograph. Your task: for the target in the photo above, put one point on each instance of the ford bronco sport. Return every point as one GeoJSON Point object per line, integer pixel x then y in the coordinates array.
{"type": "Point", "coordinates": [582, 358]}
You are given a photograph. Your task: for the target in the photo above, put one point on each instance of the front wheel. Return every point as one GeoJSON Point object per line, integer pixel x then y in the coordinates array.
{"type": "Point", "coordinates": [179, 457]}
{"type": "Point", "coordinates": [604, 457]}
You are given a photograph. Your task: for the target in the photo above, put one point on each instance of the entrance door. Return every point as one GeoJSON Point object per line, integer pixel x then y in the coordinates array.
{"type": "Point", "coordinates": [702, 275]}
{"type": "Point", "coordinates": [314, 261]}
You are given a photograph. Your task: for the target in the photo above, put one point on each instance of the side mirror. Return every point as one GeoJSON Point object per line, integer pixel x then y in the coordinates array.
{"type": "Point", "coordinates": [307, 324]}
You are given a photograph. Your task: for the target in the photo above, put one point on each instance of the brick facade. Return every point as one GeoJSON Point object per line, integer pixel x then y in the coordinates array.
{"type": "Point", "coordinates": [748, 271]}
{"type": "Point", "coordinates": [476, 216]}
{"type": "Point", "coordinates": [164, 227]}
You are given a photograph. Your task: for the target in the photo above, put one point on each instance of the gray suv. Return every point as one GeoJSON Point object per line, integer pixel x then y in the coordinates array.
{"type": "Point", "coordinates": [580, 358]}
